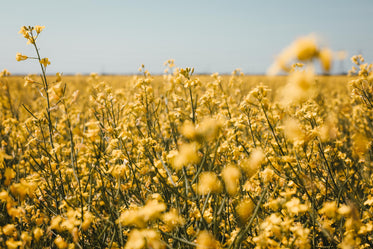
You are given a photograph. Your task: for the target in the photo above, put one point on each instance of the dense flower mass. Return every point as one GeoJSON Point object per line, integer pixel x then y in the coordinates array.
{"type": "Point", "coordinates": [186, 161]}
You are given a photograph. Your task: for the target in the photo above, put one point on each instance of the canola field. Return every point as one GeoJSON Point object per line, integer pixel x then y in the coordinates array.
{"type": "Point", "coordinates": [188, 161]}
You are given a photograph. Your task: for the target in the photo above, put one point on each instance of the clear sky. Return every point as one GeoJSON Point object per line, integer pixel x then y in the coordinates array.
{"type": "Point", "coordinates": [117, 36]}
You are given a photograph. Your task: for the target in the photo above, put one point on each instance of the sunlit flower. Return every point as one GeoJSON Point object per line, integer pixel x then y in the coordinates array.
{"type": "Point", "coordinates": [244, 209]}
{"type": "Point", "coordinates": [231, 176]}
{"type": "Point", "coordinates": [4, 73]}
{"type": "Point", "coordinates": [325, 56]}
{"type": "Point", "coordinates": [305, 48]}
{"type": "Point", "coordinates": [146, 238]}
{"type": "Point", "coordinates": [38, 28]}
{"type": "Point", "coordinates": [206, 240]}
{"type": "Point", "coordinates": [9, 229]}
{"type": "Point", "coordinates": [45, 62]}
{"type": "Point", "coordinates": [20, 57]}
{"type": "Point", "coordinates": [38, 232]}
{"type": "Point", "coordinates": [60, 242]}
{"type": "Point", "coordinates": [208, 182]}
{"type": "Point", "coordinates": [187, 154]}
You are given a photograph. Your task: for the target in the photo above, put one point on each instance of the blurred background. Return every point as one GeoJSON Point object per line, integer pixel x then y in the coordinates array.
{"type": "Point", "coordinates": [117, 36]}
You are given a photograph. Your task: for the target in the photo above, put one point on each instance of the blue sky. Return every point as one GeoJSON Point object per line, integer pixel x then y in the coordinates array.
{"type": "Point", "coordinates": [117, 36]}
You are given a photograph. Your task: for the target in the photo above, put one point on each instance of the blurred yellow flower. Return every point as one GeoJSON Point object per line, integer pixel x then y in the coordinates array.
{"type": "Point", "coordinates": [326, 58]}
{"type": "Point", "coordinates": [146, 238]}
{"type": "Point", "coordinates": [60, 242]}
{"type": "Point", "coordinates": [38, 28]}
{"type": "Point", "coordinates": [206, 240]}
{"type": "Point", "coordinates": [250, 166]}
{"type": "Point", "coordinates": [20, 57]}
{"type": "Point", "coordinates": [38, 232]}
{"type": "Point", "coordinates": [188, 153]}
{"type": "Point", "coordinates": [172, 219]}
{"type": "Point", "coordinates": [305, 48]}
{"type": "Point", "coordinates": [231, 176]}
{"type": "Point", "coordinates": [9, 229]}
{"type": "Point", "coordinates": [208, 182]}
{"type": "Point", "coordinates": [244, 209]}
{"type": "Point", "coordinates": [293, 130]}
{"type": "Point", "coordinates": [12, 244]}
{"type": "Point", "coordinates": [4, 73]}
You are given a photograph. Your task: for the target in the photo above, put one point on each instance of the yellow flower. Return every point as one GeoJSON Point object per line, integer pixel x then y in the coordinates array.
{"type": "Point", "coordinates": [145, 238]}
{"type": "Point", "coordinates": [172, 219]}
{"type": "Point", "coordinates": [38, 28]}
{"type": "Point", "coordinates": [305, 48]}
{"type": "Point", "coordinates": [45, 62]}
{"type": "Point", "coordinates": [38, 232]}
{"type": "Point", "coordinates": [59, 78]}
{"type": "Point", "coordinates": [88, 219]}
{"type": "Point", "coordinates": [293, 131]}
{"type": "Point", "coordinates": [251, 165]}
{"type": "Point", "coordinates": [12, 244]}
{"type": "Point", "coordinates": [9, 175]}
{"type": "Point", "coordinates": [140, 216]}
{"type": "Point", "coordinates": [231, 176]}
{"type": "Point", "coordinates": [60, 242]}
{"type": "Point", "coordinates": [56, 223]}
{"type": "Point", "coordinates": [5, 72]}
{"type": "Point", "coordinates": [24, 31]}
{"type": "Point", "coordinates": [20, 57]}
{"type": "Point", "coordinates": [244, 210]}
{"type": "Point", "coordinates": [208, 182]}
{"type": "Point", "coordinates": [206, 240]}
{"type": "Point", "coordinates": [188, 153]}
{"type": "Point", "coordinates": [325, 56]}
{"type": "Point", "coordinates": [9, 229]}
{"type": "Point", "coordinates": [28, 80]}
{"type": "Point", "coordinates": [329, 209]}
{"type": "Point", "coordinates": [294, 206]}
{"type": "Point", "coordinates": [26, 238]}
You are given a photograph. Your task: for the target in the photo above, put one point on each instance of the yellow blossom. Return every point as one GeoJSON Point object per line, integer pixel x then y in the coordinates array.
{"type": "Point", "coordinates": [13, 244]}
{"type": "Point", "coordinates": [9, 229]}
{"type": "Point", "coordinates": [28, 80]}
{"type": "Point", "coordinates": [38, 28]}
{"type": "Point", "coordinates": [187, 154]}
{"type": "Point", "coordinates": [38, 232]}
{"type": "Point", "coordinates": [88, 219]}
{"type": "Point", "coordinates": [206, 240]}
{"type": "Point", "coordinates": [26, 238]}
{"type": "Point", "coordinates": [20, 57]}
{"type": "Point", "coordinates": [294, 206]}
{"type": "Point", "coordinates": [231, 176]}
{"type": "Point", "coordinates": [24, 31]}
{"type": "Point", "coordinates": [305, 48]}
{"type": "Point", "coordinates": [208, 182]}
{"type": "Point", "coordinates": [45, 62]}
{"type": "Point", "coordinates": [4, 73]}
{"type": "Point", "coordinates": [172, 219]}
{"type": "Point", "coordinates": [293, 131]}
{"type": "Point", "coordinates": [56, 223]}
{"type": "Point", "coordinates": [244, 210]}
{"type": "Point", "coordinates": [329, 209]}
{"type": "Point", "coordinates": [140, 216]}
{"type": "Point", "coordinates": [60, 242]}
{"type": "Point", "coordinates": [250, 166]}
{"type": "Point", "coordinates": [325, 56]}
{"type": "Point", "coordinates": [9, 175]}
{"type": "Point", "coordinates": [344, 210]}
{"type": "Point", "coordinates": [138, 239]}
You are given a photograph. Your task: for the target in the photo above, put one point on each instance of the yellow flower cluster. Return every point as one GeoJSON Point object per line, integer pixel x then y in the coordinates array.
{"type": "Point", "coordinates": [188, 161]}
